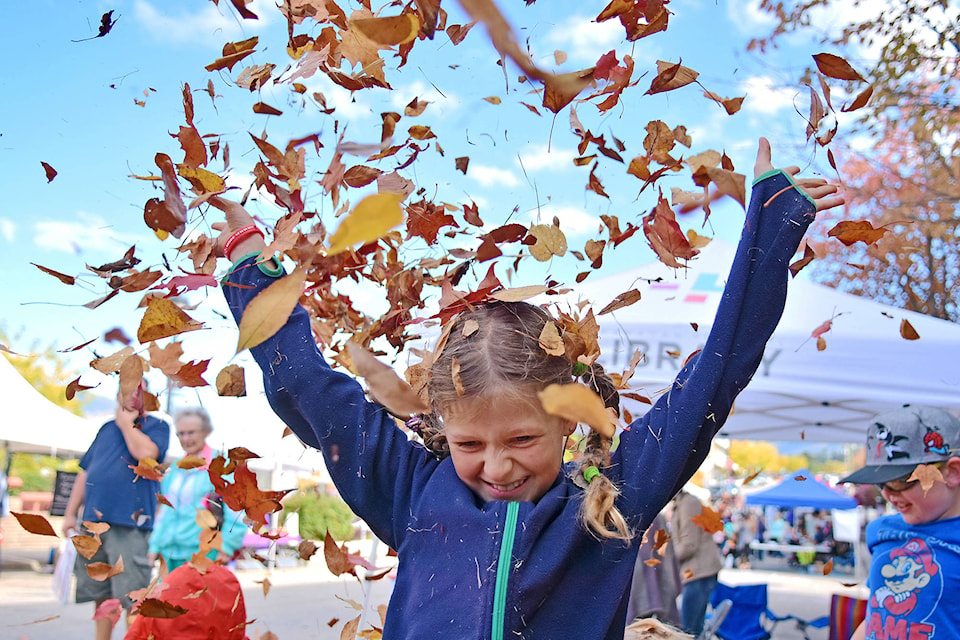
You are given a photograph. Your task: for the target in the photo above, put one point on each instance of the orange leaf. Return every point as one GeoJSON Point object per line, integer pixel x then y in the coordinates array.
{"type": "Point", "coordinates": [907, 332]}
{"type": "Point", "coordinates": [86, 546]}
{"type": "Point", "coordinates": [808, 257]}
{"type": "Point", "coordinates": [834, 66]}
{"type": "Point", "coordinates": [625, 299]}
{"type": "Point", "coordinates": [850, 231]}
{"type": "Point", "coordinates": [231, 381]}
{"type": "Point", "coordinates": [35, 523]}
{"type": "Point", "coordinates": [264, 109]}
{"type": "Point", "coordinates": [191, 462]}
{"type": "Point", "coordinates": [828, 567]}
{"type": "Point", "coordinates": [148, 469]}
{"type": "Point", "coordinates": [270, 309]}
{"type": "Point", "coordinates": [708, 520]}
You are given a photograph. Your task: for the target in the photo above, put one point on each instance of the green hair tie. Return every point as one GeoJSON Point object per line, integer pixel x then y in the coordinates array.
{"type": "Point", "coordinates": [590, 473]}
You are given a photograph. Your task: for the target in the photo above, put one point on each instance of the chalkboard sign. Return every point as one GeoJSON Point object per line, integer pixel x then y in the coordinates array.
{"type": "Point", "coordinates": [62, 487]}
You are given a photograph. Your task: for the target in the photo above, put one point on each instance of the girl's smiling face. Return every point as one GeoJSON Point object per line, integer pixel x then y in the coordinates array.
{"type": "Point", "coordinates": [505, 448]}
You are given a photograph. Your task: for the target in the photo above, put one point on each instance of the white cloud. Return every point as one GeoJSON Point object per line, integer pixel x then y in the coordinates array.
{"type": "Point", "coordinates": [441, 104]}
{"type": "Point", "coordinates": [537, 157]}
{"type": "Point", "coordinates": [192, 27]}
{"type": "Point", "coordinates": [493, 176]}
{"type": "Point", "coordinates": [747, 17]}
{"type": "Point", "coordinates": [582, 39]}
{"type": "Point", "coordinates": [89, 233]}
{"type": "Point", "coordinates": [573, 220]}
{"type": "Point", "coordinates": [8, 229]}
{"type": "Point", "coordinates": [764, 97]}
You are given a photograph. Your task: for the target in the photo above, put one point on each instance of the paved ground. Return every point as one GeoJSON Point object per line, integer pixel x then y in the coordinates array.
{"type": "Point", "coordinates": [303, 600]}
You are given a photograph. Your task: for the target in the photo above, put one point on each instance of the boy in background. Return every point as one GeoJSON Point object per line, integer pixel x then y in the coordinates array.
{"type": "Point", "coordinates": [915, 568]}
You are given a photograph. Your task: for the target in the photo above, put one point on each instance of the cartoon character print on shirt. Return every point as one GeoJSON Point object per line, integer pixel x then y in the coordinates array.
{"type": "Point", "coordinates": [910, 569]}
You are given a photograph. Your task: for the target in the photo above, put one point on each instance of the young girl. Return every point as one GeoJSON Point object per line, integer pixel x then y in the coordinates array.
{"type": "Point", "coordinates": [495, 539]}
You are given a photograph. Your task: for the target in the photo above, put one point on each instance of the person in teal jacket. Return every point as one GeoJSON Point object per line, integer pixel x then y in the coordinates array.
{"type": "Point", "coordinates": [496, 537]}
{"type": "Point", "coordinates": [176, 534]}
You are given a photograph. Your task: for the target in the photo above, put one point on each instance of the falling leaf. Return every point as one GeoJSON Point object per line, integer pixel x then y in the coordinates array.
{"type": "Point", "coordinates": [461, 165]}
{"type": "Point", "coordinates": [86, 546]}
{"type": "Point", "coordinates": [270, 309]}
{"type": "Point", "coordinates": [101, 571]}
{"type": "Point", "coordinates": [371, 218]}
{"type": "Point", "coordinates": [148, 469]}
{"type": "Point", "coordinates": [131, 376]}
{"type": "Point", "coordinates": [708, 520]}
{"type": "Point", "coordinates": [162, 499]}
{"type": "Point", "coordinates": [190, 374]}
{"type": "Point", "coordinates": [306, 549]}
{"type": "Point", "coordinates": [155, 608]}
{"type": "Point", "coordinates": [162, 319]}
{"type": "Point", "coordinates": [263, 108]}
{"type": "Point", "coordinates": [550, 340]}
{"type": "Point", "coordinates": [665, 236]}
{"type": "Point", "coordinates": [73, 387]}
{"type": "Point", "coordinates": [550, 242]}
{"type": "Point", "coordinates": [231, 381]}
{"type": "Point", "coordinates": [390, 30]}
{"type": "Point", "coordinates": [340, 560]}
{"type": "Point", "coordinates": [519, 294]}
{"type": "Point", "coordinates": [828, 567]}
{"type": "Point", "coordinates": [808, 257]}
{"type": "Point", "coordinates": [851, 231]}
{"type": "Point", "coordinates": [860, 101]}
{"type": "Point", "coordinates": [62, 277]}
{"type": "Point", "coordinates": [625, 299]}
{"type": "Point", "coordinates": [385, 385]}
{"type": "Point", "coordinates": [671, 76]}
{"type": "Point", "coordinates": [834, 66]}
{"type": "Point", "coordinates": [191, 462]}
{"type": "Point", "coordinates": [907, 332]}
{"type": "Point", "coordinates": [928, 475]}
{"type": "Point", "coordinates": [580, 404]}
{"type": "Point", "coordinates": [243, 494]}
{"type": "Point", "coordinates": [35, 523]}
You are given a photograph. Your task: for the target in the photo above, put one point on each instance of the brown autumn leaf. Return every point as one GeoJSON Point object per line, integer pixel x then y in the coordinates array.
{"type": "Point", "coordinates": [730, 105]}
{"type": "Point", "coordinates": [550, 340]}
{"type": "Point", "coordinates": [580, 404]}
{"type": "Point", "coordinates": [928, 475]}
{"type": "Point", "coordinates": [111, 364]}
{"type": "Point", "coordinates": [461, 165]}
{"type": "Point", "coordinates": [828, 567]}
{"type": "Point", "coordinates": [101, 571]}
{"type": "Point", "coordinates": [907, 332]}
{"type": "Point", "coordinates": [457, 380]}
{"type": "Point", "coordinates": [665, 236]}
{"type": "Point", "coordinates": [162, 499]}
{"type": "Point", "coordinates": [162, 319]}
{"type": "Point", "coordinates": [671, 76]}
{"type": "Point", "coordinates": [156, 608]}
{"type": "Point", "coordinates": [808, 257]}
{"type": "Point", "coordinates": [385, 385]}
{"type": "Point", "coordinates": [834, 66]}
{"type": "Point", "coordinates": [243, 494]}
{"type": "Point", "coordinates": [35, 523]}
{"type": "Point", "coordinates": [389, 30]}
{"type": "Point", "coordinates": [361, 175]}
{"type": "Point", "coordinates": [96, 528]}
{"type": "Point", "coordinates": [131, 375]}
{"type": "Point", "coordinates": [148, 469]}
{"type": "Point", "coordinates": [191, 462]}
{"type": "Point", "coordinates": [624, 299]}
{"type": "Point", "coordinates": [265, 109]}
{"type": "Point", "coordinates": [851, 231]}
{"type": "Point", "coordinates": [415, 107]}
{"type": "Point", "coordinates": [708, 520]}
{"type": "Point", "coordinates": [233, 52]}
{"type": "Point", "coordinates": [190, 374]}
{"type": "Point", "coordinates": [239, 454]}
{"type": "Point", "coordinates": [231, 381]}
{"type": "Point", "coordinates": [50, 172]}
{"type": "Point", "coordinates": [340, 560]}
{"type": "Point", "coordinates": [62, 277]}
{"type": "Point", "coordinates": [167, 358]}
{"type": "Point", "coordinates": [550, 242]}
{"type": "Point", "coordinates": [87, 546]}
{"type": "Point", "coordinates": [73, 387]}
{"type": "Point", "coordinates": [270, 309]}
{"type": "Point", "coordinates": [307, 549]}
{"type": "Point", "coordinates": [519, 294]}
{"type": "Point", "coordinates": [860, 101]}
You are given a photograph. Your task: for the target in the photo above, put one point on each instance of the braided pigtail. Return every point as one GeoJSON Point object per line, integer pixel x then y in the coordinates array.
{"type": "Point", "coordinates": [599, 513]}
{"type": "Point", "coordinates": [430, 430]}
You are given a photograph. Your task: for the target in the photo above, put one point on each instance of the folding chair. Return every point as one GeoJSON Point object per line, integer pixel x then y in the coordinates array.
{"type": "Point", "coordinates": [846, 614]}
{"type": "Point", "coordinates": [715, 618]}
{"type": "Point", "coordinates": [748, 617]}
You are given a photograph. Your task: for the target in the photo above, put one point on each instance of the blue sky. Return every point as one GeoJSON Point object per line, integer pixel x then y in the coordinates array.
{"type": "Point", "coordinates": [74, 105]}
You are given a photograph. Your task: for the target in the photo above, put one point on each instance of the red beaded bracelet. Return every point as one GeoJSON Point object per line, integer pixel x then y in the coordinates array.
{"type": "Point", "coordinates": [239, 236]}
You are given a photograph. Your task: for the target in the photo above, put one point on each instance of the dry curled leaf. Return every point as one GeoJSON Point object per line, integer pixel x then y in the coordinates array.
{"type": "Point", "coordinates": [385, 385]}
{"type": "Point", "coordinates": [270, 309]}
{"type": "Point", "coordinates": [35, 523]}
{"type": "Point", "coordinates": [580, 404]}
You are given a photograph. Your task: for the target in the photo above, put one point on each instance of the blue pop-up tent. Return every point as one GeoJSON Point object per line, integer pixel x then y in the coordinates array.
{"type": "Point", "coordinates": [794, 492]}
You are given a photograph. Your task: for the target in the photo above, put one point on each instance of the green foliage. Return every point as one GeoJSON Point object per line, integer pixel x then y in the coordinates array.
{"type": "Point", "coordinates": [320, 513]}
{"type": "Point", "coordinates": [38, 472]}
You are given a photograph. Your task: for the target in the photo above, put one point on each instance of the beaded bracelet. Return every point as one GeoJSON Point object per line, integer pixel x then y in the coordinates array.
{"type": "Point", "coordinates": [239, 236]}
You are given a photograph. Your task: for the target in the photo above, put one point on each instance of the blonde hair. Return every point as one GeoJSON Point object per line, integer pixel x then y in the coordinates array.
{"type": "Point", "coordinates": [496, 347]}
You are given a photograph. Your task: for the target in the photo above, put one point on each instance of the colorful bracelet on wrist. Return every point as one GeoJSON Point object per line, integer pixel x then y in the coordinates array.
{"type": "Point", "coordinates": [239, 236]}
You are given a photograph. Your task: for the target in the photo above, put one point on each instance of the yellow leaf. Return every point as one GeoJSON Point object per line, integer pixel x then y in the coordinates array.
{"type": "Point", "coordinates": [163, 319]}
{"type": "Point", "coordinates": [518, 294]}
{"type": "Point", "coordinates": [550, 242]}
{"type": "Point", "coordinates": [928, 475]}
{"type": "Point", "coordinates": [371, 218]}
{"type": "Point", "coordinates": [493, 100]}
{"type": "Point", "coordinates": [550, 340]}
{"type": "Point", "coordinates": [580, 404]}
{"type": "Point", "coordinates": [269, 310]}
{"type": "Point", "coordinates": [390, 30]}
{"type": "Point", "coordinates": [205, 181]}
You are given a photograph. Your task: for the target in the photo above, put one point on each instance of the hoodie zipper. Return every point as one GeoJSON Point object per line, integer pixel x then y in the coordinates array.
{"type": "Point", "coordinates": [503, 570]}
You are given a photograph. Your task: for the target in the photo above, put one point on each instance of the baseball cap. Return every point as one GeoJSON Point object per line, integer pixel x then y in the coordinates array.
{"type": "Point", "coordinates": [901, 439]}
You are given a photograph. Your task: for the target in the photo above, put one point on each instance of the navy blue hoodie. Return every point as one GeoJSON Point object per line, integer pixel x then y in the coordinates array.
{"type": "Point", "coordinates": [522, 570]}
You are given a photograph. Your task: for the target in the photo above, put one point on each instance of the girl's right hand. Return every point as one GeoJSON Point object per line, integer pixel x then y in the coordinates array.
{"type": "Point", "coordinates": [236, 218]}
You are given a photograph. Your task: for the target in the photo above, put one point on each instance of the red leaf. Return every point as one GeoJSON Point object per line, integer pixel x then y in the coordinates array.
{"type": "Point", "coordinates": [836, 67]}
{"type": "Point", "coordinates": [35, 523]}
{"type": "Point", "coordinates": [62, 277]}
{"type": "Point", "coordinates": [50, 171]}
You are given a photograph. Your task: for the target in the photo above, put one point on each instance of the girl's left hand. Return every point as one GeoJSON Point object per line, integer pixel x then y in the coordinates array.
{"type": "Point", "coordinates": [819, 189]}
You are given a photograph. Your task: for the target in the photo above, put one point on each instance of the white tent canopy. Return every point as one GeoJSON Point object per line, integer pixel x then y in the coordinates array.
{"type": "Point", "coordinates": [33, 424]}
{"type": "Point", "coordinates": [799, 393]}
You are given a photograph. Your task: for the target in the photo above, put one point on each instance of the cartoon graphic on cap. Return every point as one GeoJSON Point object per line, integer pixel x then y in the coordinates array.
{"type": "Point", "coordinates": [911, 568]}
{"type": "Point", "coordinates": [889, 442]}
{"type": "Point", "coordinates": [933, 441]}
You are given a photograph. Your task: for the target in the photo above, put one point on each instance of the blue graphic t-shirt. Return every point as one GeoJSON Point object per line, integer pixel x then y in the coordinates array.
{"type": "Point", "coordinates": [914, 580]}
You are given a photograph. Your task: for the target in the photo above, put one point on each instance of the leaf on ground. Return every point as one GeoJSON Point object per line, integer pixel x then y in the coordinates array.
{"type": "Point", "coordinates": [372, 217]}
{"type": "Point", "coordinates": [270, 309]}
{"type": "Point", "coordinates": [101, 571]}
{"type": "Point", "coordinates": [580, 404]}
{"type": "Point", "coordinates": [35, 523]}
{"type": "Point", "coordinates": [162, 319]}
{"type": "Point", "coordinates": [385, 385]}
